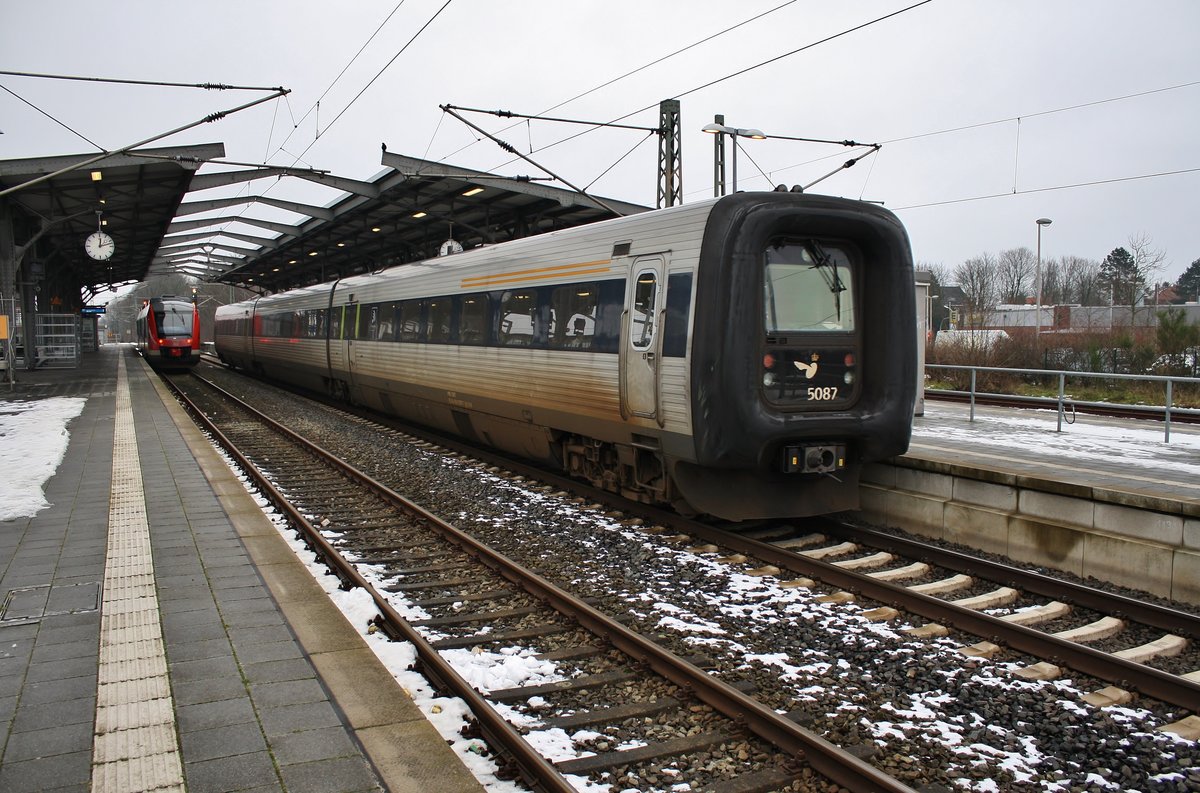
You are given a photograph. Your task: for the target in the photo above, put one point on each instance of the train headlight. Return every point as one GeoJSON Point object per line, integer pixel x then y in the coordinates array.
{"type": "Point", "coordinates": [849, 378]}
{"type": "Point", "coordinates": [768, 379]}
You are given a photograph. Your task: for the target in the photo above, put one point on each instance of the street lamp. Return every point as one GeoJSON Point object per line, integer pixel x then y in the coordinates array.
{"type": "Point", "coordinates": [719, 129]}
{"type": "Point", "coordinates": [1040, 222]}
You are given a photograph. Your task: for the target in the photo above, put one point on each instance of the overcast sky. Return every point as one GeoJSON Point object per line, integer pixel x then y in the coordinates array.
{"type": "Point", "coordinates": [947, 64]}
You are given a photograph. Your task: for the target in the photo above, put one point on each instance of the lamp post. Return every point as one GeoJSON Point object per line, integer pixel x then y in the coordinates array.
{"type": "Point", "coordinates": [719, 129]}
{"type": "Point", "coordinates": [1038, 328]}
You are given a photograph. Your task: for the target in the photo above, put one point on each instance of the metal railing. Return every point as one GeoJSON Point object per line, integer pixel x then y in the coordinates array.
{"type": "Point", "coordinates": [57, 341]}
{"type": "Point", "coordinates": [1062, 401]}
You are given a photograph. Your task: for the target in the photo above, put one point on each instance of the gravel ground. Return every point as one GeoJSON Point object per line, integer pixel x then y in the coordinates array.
{"type": "Point", "coordinates": [918, 709]}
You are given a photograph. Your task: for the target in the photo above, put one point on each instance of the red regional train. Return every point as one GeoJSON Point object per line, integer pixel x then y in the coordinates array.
{"type": "Point", "coordinates": [168, 332]}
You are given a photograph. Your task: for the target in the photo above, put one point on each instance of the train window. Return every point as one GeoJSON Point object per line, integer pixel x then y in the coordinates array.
{"type": "Point", "coordinates": [573, 316]}
{"type": "Point", "coordinates": [517, 318]}
{"type": "Point", "coordinates": [807, 287]}
{"type": "Point", "coordinates": [473, 319]}
{"type": "Point", "coordinates": [335, 322]}
{"type": "Point", "coordinates": [438, 320]}
{"type": "Point", "coordinates": [312, 325]}
{"type": "Point", "coordinates": [368, 322]}
{"type": "Point", "coordinates": [409, 321]}
{"type": "Point", "coordinates": [174, 320]}
{"type": "Point", "coordinates": [385, 330]}
{"type": "Point", "coordinates": [645, 303]}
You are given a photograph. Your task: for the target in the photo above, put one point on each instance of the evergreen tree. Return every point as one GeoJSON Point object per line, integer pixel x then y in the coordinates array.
{"type": "Point", "coordinates": [1175, 336]}
{"type": "Point", "coordinates": [1120, 274]}
{"type": "Point", "coordinates": [1188, 285]}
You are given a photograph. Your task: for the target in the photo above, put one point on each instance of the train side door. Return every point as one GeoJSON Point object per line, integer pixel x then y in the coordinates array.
{"type": "Point", "coordinates": [350, 335]}
{"type": "Point", "coordinates": [335, 346]}
{"type": "Point", "coordinates": [640, 337]}
{"type": "Point", "coordinates": [343, 318]}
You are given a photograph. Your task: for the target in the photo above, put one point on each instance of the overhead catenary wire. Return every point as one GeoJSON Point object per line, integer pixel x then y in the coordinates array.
{"type": "Point", "coordinates": [61, 123]}
{"type": "Point", "coordinates": [349, 63]}
{"type": "Point", "coordinates": [745, 70]}
{"type": "Point", "coordinates": [379, 74]}
{"type": "Point", "coordinates": [1052, 188]}
{"type": "Point", "coordinates": [1009, 119]}
{"type": "Point", "coordinates": [511, 114]}
{"type": "Point", "coordinates": [1078, 106]}
{"type": "Point", "coordinates": [510, 148]}
{"type": "Point", "coordinates": [159, 83]}
{"type": "Point", "coordinates": [641, 68]}
{"type": "Point", "coordinates": [619, 160]}
{"type": "Point", "coordinates": [299, 157]}
{"type": "Point", "coordinates": [809, 46]}
{"type": "Point", "coordinates": [124, 149]}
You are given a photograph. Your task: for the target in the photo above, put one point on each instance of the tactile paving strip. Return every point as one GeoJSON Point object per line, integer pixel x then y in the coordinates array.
{"type": "Point", "coordinates": [136, 746]}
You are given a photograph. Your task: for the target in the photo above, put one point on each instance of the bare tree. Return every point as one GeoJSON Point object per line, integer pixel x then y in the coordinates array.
{"type": "Point", "coordinates": [1054, 288]}
{"type": "Point", "coordinates": [1081, 282]}
{"type": "Point", "coordinates": [977, 278]}
{"type": "Point", "coordinates": [940, 273]}
{"type": "Point", "coordinates": [940, 276]}
{"type": "Point", "coordinates": [1147, 260]}
{"type": "Point", "coordinates": [1016, 276]}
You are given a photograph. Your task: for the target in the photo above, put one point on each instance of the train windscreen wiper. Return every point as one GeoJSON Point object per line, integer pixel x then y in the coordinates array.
{"type": "Point", "coordinates": [829, 272]}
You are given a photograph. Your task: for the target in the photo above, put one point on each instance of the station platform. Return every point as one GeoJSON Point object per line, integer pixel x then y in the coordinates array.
{"type": "Point", "coordinates": [1135, 458]}
{"type": "Point", "coordinates": [157, 632]}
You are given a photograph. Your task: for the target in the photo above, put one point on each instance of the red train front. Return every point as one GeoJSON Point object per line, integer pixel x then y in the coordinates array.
{"type": "Point", "coordinates": [168, 332]}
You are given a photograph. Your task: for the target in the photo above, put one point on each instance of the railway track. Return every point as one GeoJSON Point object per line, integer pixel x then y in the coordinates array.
{"type": "Point", "coordinates": [674, 723]}
{"type": "Point", "coordinates": [874, 565]}
{"type": "Point", "coordinates": [830, 579]}
{"type": "Point", "coordinates": [1035, 630]}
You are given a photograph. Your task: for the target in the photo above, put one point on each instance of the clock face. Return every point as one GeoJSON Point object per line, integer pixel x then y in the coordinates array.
{"type": "Point", "coordinates": [99, 246]}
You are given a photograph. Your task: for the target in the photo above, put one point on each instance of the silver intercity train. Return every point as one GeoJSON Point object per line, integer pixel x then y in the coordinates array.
{"type": "Point", "coordinates": [740, 357]}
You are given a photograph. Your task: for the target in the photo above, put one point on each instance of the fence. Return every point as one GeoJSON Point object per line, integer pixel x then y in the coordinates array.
{"type": "Point", "coordinates": [1062, 402]}
{"type": "Point", "coordinates": [57, 340]}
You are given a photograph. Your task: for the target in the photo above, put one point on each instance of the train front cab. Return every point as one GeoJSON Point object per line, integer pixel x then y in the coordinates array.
{"type": "Point", "coordinates": [168, 330]}
{"type": "Point", "coordinates": [803, 364]}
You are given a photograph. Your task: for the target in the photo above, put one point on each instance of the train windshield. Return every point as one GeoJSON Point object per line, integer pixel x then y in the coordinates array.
{"type": "Point", "coordinates": [174, 320]}
{"type": "Point", "coordinates": [807, 288]}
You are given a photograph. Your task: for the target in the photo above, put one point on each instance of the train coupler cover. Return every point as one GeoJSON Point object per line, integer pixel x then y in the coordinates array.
{"type": "Point", "coordinates": [814, 459]}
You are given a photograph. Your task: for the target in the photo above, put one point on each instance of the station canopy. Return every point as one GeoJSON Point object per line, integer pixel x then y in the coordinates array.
{"type": "Point", "coordinates": [59, 201]}
{"type": "Point", "coordinates": [413, 210]}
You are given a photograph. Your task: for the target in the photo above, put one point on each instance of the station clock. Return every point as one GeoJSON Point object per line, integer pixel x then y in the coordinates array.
{"type": "Point", "coordinates": [99, 246]}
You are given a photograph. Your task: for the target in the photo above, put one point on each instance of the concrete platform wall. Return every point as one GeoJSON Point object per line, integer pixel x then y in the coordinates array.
{"type": "Point", "coordinates": [1151, 544]}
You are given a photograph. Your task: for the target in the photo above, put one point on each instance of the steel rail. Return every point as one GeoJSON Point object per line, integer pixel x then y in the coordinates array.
{"type": "Point", "coordinates": [1152, 614]}
{"type": "Point", "coordinates": [1128, 674]}
{"type": "Point", "coordinates": [835, 763]}
{"type": "Point", "coordinates": [1152, 682]}
{"type": "Point", "coordinates": [538, 771]}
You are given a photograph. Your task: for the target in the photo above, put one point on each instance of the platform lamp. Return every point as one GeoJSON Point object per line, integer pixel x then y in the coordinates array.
{"type": "Point", "coordinates": [719, 129]}
{"type": "Point", "coordinates": [1038, 320]}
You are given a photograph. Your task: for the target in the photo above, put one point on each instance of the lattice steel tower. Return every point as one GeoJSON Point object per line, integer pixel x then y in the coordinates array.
{"type": "Point", "coordinates": [670, 155]}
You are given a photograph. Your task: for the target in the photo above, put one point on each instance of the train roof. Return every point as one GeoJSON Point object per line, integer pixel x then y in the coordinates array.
{"type": "Point", "coordinates": [645, 229]}
{"type": "Point", "coordinates": [406, 214]}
